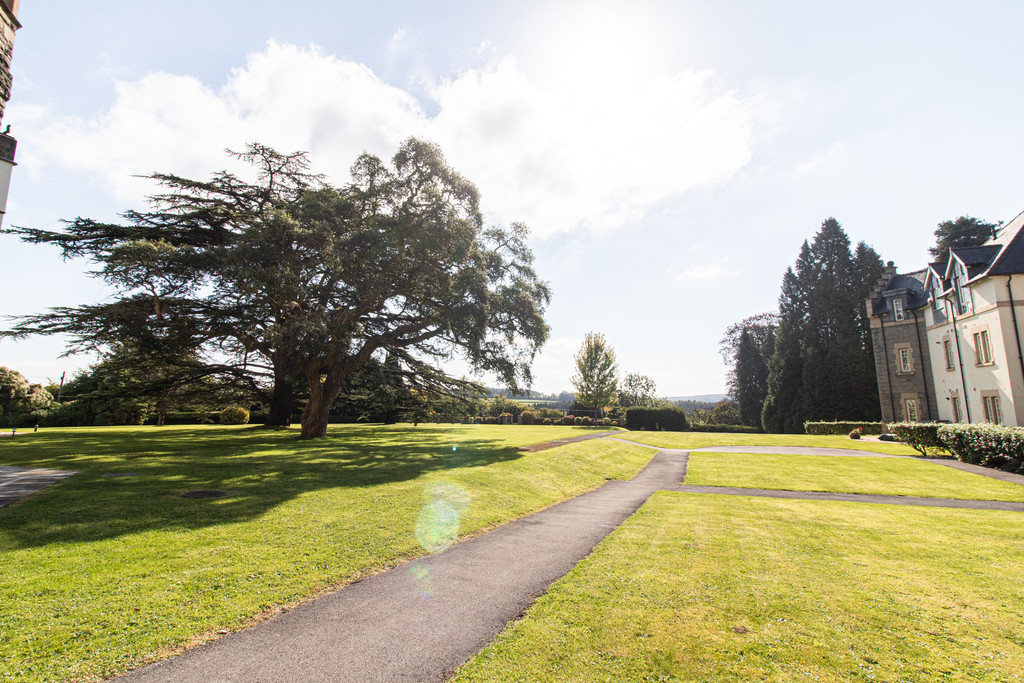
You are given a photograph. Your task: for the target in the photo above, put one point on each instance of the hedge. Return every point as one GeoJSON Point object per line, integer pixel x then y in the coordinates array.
{"type": "Point", "coordinates": [669, 419]}
{"type": "Point", "coordinates": [918, 435]}
{"type": "Point", "coordinates": [988, 445]}
{"type": "Point", "coordinates": [725, 429]}
{"type": "Point", "coordinates": [842, 428]}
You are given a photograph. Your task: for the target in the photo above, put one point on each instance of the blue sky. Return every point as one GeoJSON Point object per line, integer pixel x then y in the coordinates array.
{"type": "Point", "coordinates": [669, 157]}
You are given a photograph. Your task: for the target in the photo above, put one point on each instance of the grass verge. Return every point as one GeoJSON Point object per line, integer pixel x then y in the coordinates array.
{"type": "Point", "coordinates": [715, 588]}
{"type": "Point", "coordinates": [882, 476]}
{"type": "Point", "coordinates": [101, 573]}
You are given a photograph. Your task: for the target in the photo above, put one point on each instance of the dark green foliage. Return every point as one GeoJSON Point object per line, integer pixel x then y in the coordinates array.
{"type": "Point", "coordinates": [822, 367]}
{"type": "Point", "coordinates": [723, 429]}
{"type": "Point", "coordinates": [746, 348]}
{"type": "Point", "coordinates": [965, 231]}
{"type": "Point", "coordinates": [569, 420]}
{"type": "Point", "coordinates": [547, 421]}
{"type": "Point", "coordinates": [20, 400]}
{"type": "Point", "coordinates": [839, 427]}
{"type": "Point", "coordinates": [527, 417]}
{"type": "Point", "coordinates": [671, 419]}
{"type": "Point", "coordinates": [289, 286]}
{"type": "Point", "coordinates": [988, 445]}
{"type": "Point", "coordinates": [919, 435]}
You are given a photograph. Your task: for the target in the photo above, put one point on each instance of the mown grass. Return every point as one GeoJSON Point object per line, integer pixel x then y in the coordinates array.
{"type": "Point", "coordinates": [98, 574]}
{"type": "Point", "coordinates": [690, 440]}
{"type": "Point", "coordinates": [731, 588]}
{"type": "Point", "coordinates": [883, 476]}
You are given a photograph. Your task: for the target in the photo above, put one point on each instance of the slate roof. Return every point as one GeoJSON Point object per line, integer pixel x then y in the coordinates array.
{"type": "Point", "coordinates": [911, 285]}
{"type": "Point", "coordinates": [1011, 260]}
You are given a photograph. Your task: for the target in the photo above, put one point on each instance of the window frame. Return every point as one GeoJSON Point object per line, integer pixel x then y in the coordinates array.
{"type": "Point", "coordinates": [982, 348]}
{"type": "Point", "coordinates": [992, 408]}
{"type": "Point", "coordinates": [947, 349]}
{"type": "Point", "coordinates": [897, 309]}
{"type": "Point", "coordinates": [910, 409]}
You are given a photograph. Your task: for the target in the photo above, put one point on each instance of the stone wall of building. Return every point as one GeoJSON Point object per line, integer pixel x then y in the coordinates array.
{"type": "Point", "coordinates": [895, 385]}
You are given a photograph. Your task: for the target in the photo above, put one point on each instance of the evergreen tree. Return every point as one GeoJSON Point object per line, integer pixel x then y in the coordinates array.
{"type": "Point", "coordinates": [965, 231]}
{"type": "Point", "coordinates": [750, 386]}
{"type": "Point", "coordinates": [822, 368]}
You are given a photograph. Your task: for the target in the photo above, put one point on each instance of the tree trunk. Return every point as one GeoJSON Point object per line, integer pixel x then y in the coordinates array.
{"type": "Point", "coordinates": [282, 402]}
{"type": "Point", "coordinates": [317, 410]}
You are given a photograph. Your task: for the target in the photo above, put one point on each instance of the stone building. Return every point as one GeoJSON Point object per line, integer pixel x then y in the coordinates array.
{"type": "Point", "coordinates": [947, 339]}
{"type": "Point", "coordinates": [899, 336]}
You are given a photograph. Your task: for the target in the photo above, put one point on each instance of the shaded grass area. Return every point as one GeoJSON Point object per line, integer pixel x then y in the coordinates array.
{"type": "Point", "coordinates": [101, 573]}
{"type": "Point", "coordinates": [883, 476]}
{"type": "Point", "coordinates": [716, 588]}
{"type": "Point", "coordinates": [688, 440]}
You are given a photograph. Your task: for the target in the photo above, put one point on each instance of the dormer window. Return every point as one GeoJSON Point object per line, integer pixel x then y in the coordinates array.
{"type": "Point", "coordinates": [897, 309]}
{"type": "Point", "coordinates": [962, 291]}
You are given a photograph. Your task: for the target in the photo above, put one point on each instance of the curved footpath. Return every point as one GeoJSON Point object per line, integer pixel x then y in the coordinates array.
{"type": "Point", "coordinates": [421, 620]}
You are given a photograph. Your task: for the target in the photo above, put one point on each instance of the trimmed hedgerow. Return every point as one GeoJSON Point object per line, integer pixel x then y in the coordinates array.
{"type": "Point", "coordinates": [840, 428]}
{"type": "Point", "coordinates": [671, 419]}
{"type": "Point", "coordinates": [569, 420]}
{"type": "Point", "coordinates": [527, 417]}
{"type": "Point", "coordinates": [724, 429]}
{"type": "Point", "coordinates": [988, 445]}
{"type": "Point", "coordinates": [547, 421]}
{"type": "Point", "coordinates": [918, 435]}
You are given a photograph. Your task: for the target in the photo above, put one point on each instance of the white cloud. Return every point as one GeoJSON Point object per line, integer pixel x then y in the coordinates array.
{"type": "Point", "coordinates": [559, 154]}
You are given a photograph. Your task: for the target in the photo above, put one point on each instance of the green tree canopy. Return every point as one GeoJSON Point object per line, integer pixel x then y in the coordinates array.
{"type": "Point", "coordinates": [19, 398]}
{"type": "Point", "coordinates": [290, 285]}
{"type": "Point", "coordinates": [596, 377]}
{"type": "Point", "coordinates": [637, 390]}
{"type": "Point", "coordinates": [965, 231]}
{"type": "Point", "coordinates": [822, 366]}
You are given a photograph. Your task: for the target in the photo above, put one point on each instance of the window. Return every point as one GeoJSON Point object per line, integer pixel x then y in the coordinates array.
{"type": "Point", "coordinates": [897, 309]}
{"type": "Point", "coordinates": [904, 360]}
{"type": "Point", "coordinates": [982, 348]}
{"type": "Point", "coordinates": [962, 291]}
{"type": "Point", "coordinates": [911, 410]}
{"type": "Point", "coordinates": [993, 412]}
{"type": "Point", "coordinates": [947, 347]}
{"type": "Point", "coordinates": [958, 415]}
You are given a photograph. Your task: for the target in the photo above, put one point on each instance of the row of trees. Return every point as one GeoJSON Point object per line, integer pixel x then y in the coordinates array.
{"type": "Point", "coordinates": [287, 287]}
{"type": "Point", "coordinates": [813, 359]}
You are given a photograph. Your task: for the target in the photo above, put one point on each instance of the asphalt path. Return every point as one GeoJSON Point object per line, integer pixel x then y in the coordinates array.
{"type": "Point", "coordinates": [421, 620]}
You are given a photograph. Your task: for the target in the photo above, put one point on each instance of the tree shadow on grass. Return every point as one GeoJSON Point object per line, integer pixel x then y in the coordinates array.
{"type": "Point", "coordinates": [258, 469]}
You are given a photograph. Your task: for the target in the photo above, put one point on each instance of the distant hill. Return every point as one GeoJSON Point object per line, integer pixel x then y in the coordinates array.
{"type": "Point", "coordinates": [702, 398]}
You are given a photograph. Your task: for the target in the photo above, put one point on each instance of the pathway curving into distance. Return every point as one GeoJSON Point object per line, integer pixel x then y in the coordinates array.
{"type": "Point", "coordinates": [421, 620]}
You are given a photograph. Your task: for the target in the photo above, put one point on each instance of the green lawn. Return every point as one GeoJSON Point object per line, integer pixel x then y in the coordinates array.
{"type": "Point", "coordinates": [688, 440]}
{"type": "Point", "coordinates": [885, 476]}
{"type": "Point", "coordinates": [724, 588]}
{"type": "Point", "coordinates": [99, 573]}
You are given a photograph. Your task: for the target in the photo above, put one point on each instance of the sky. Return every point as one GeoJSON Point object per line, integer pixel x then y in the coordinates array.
{"type": "Point", "coordinates": [668, 157]}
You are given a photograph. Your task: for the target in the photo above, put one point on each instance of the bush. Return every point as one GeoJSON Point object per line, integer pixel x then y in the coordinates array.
{"type": "Point", "coordinates": [478, 420]}
{"type": "Point", "coordinates": [490, 419]}
{"type": "Point", "coordinates": [548, 412]}
{"type": "Point", "coordinates": [606, 421]}
{"type": "Point", "coordinates": [838, 428]}
{"type": "Point", "coordinates": [855, 434]}
{"type": "Point", "coordinates": [670, 419]}
{"type": "Point", "coordinates": [569, 420]}
{"type": "Point", "coordinates": [587, 422]}
{"type": "Point", "coordinates": [577, 421]}
{"type": "Point", "coordinates": [547, 421]}
{"type": "Point", "coordinates": [989, 445]}
{"type": "Point", "coordinates": [918, 435]}
{"type": "Point", "coordinates": [724, 429]}
{"type": "Point", "coordinates": [527, 417]}
{"type": "Point", "coordinates": [234, 415]}
{"type": "Point", "coordinates": [615, 423]}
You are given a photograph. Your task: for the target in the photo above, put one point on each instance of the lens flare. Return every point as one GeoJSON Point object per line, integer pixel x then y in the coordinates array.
{"type": "Point", "coordinates": [437, 525]}
{"type": "Point", "coordinates": [422, 576]}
